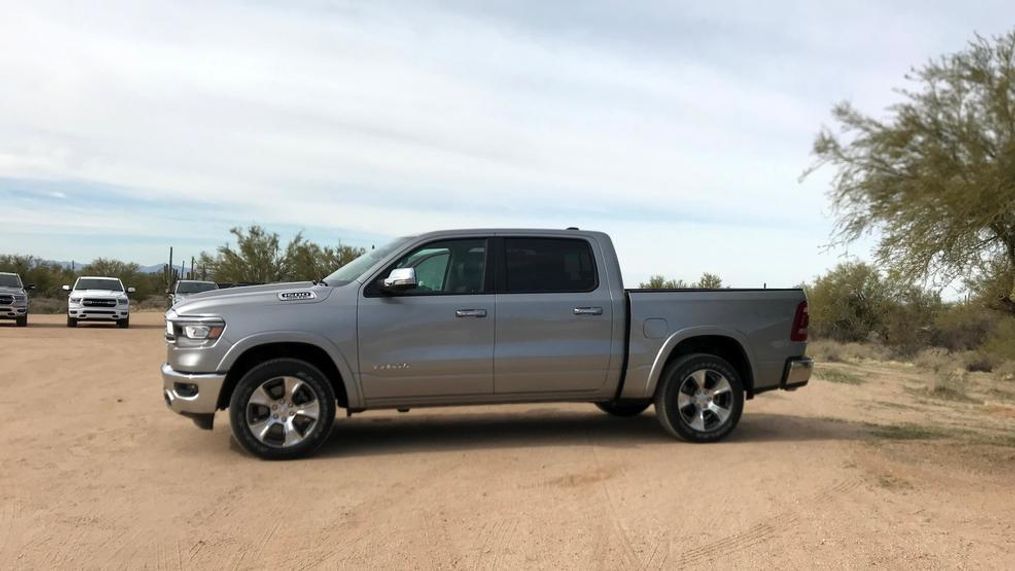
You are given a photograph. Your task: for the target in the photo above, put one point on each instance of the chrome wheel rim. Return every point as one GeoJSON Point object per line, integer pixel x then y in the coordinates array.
{"type": "Point", "coordinates": [705, 400]}
{"type": "Point", "coordinates": [282, 412]}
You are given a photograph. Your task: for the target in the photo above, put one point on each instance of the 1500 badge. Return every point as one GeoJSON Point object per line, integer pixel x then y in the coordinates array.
{"type": "Point", "coordinates": [296, 295]}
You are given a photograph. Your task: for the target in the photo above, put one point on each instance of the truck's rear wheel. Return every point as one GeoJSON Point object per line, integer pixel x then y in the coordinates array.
{"type": "Point", "coordinates": [700, 398]}
{"type": "Point", "coordinates": [282, 409]}
{"type": "Point", "coordinates": [623, 408]}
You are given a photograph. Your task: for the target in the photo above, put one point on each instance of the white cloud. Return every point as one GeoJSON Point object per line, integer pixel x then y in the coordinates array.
{"type": "Point", "coordinates": [410, 116]}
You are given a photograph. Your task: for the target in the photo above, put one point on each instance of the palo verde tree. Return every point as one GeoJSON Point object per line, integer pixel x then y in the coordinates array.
{"type": "Point", "coordinates": [934, 178]}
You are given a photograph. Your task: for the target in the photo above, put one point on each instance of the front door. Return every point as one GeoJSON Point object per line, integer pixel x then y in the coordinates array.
{"type": "Point", "coordinates": [554, 319]}
{"type": "Point", "coordinates": [435, 339]}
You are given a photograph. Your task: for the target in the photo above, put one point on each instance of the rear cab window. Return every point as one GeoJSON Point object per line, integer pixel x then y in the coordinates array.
{"type": "Point", "coordinates": [549, 265]}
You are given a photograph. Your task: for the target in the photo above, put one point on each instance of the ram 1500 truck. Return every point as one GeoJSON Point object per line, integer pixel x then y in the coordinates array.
{"type": "Point", "coordinates": [183, 288]}
{"type": "Point", "coordinates": [98, 299]}
{"type": "Point", "coordinates": [470, 317]}
{"type": "Point", "coordinates": [14, 298]}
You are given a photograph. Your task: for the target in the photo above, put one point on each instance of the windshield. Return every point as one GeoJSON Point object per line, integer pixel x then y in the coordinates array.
{"type": "Point", "coordinates": [111, 284]}
{"type": "Point", "coordinates": [195, 287]}
{"type": "Point", "coordinates": [10, 280]}
{"type": "Point", "coordinates": [354, 269]}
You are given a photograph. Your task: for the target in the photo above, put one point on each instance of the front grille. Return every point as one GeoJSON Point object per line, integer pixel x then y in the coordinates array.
{"type": "Point", "coordinates": [6, 299]}
{"type": "Point", "coordinates": [90, 302]}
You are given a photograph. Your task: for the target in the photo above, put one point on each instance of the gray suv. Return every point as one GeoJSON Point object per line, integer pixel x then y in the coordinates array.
{"type": "Point", "coordinates": [14, 298]}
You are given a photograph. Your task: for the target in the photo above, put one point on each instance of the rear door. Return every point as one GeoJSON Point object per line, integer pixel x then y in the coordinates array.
{"type": "Point", "coordinates": [554, 317]}
{"type": "Point", "coordinates": [436, 339]}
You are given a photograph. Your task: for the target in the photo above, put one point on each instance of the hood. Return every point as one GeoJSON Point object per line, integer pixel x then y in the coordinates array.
{"type": "Point", "coordinates": [293, 293]}
{"type": "Point", "coordinates": [9, 290]}
{"type": "Point", "coordinates": [99, 292]}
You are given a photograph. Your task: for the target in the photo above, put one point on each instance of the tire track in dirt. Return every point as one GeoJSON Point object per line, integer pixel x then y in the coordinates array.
{"type": "Point", "coordinates": [761, 531]}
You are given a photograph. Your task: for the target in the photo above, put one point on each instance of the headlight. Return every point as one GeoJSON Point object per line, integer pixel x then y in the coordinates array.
{"type": "Point", "coordinates": [123, 301]}
{"type": "Point", "coordinates": [75, 300]}
{"type": "Point", "coordinates": [202, 331]}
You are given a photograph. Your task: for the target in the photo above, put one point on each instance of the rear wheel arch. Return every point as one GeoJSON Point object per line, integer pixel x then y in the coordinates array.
{"type": "Point", "coordinates": [722, 346]}
{"type": "Point", "coordinates": [307, 352]}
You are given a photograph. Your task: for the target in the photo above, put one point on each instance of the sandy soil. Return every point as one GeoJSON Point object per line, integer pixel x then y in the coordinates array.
{"type": "Point", "coordinates": [96, 472]}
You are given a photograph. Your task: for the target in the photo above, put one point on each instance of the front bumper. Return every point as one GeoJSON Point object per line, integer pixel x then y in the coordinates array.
{"type": "Point", "coordinates": [83, 313]}
{"type": "Point", "coordinates": [798, 372]}
{"type": "Point", "coordinates": [191, 394]}
{"type": "Point", "coordinates": [13, 311]}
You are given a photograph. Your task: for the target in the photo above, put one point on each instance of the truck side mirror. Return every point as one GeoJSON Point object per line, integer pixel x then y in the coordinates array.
{"type": "Point", "coordinates": [400, 279]}
{"type": "Point", "coordinates": [65, 288]}
{"type": "Point", "coordinates": [131, 290]}
{"type": "Point", "coordinates": [168, 291]}
{"type": "Point", "coordinates": [29, 287]}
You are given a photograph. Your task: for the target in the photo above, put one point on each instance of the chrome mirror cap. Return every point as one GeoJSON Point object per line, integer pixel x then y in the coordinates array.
{"type": "Point", "coordinates": [401, 278]}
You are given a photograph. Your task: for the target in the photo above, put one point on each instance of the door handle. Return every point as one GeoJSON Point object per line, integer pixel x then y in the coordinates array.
{"type": "Point", "coordinates": [588, 311]}
{"type": "Point", "coordinates": [470, 313]}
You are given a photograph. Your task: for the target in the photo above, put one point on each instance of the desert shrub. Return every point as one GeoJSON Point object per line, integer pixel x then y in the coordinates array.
{"type": "Point", "coordinates": [963, 326]}
{"type": "Point", "coordinates": [949, 385]}
{"type": "Point", "coordinates": [1001, 342]}
{"type": "Point", "coordinates": [835, 352]}
{"type": "Point", "coordinates": [1005, 371]}
{"type": "Point", "coordinates": [48, 305]}
{"type": "Point", "coordinates": [846, 303]}
{"type": "Point", "coordinates": [935, 359]}
{"type": "Point", "coordinates": [979, 362]}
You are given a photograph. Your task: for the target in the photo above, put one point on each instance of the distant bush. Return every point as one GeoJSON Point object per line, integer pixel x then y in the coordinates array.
{"type": "Point", "coordinates": [963, 326]}
{"type": "Point", "coordinates": [1001, 342]}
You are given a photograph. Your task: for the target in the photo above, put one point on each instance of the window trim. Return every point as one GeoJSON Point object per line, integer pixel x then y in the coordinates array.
{"type": "Point", "coordinates": [501, 259]}
{"type": "Point", "coordinates": [371, 289]}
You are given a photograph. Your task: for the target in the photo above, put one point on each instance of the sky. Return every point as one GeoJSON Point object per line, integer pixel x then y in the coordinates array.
{"type": "Point", "coordinates": [681, 128]}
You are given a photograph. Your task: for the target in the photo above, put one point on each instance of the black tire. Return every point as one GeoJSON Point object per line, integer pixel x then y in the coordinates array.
{"type": "Point", "coordinates": [123, 323]}
{"type": "Point", "coordinates": [623, 409]}
{"type": "Point", "coordinates": [71, 322]}
{"type": "Point", "coordinates": [241, 410]}
{"type": "Point", "coordinates": [682, 376]}
{"type": "Point", "coordinates": [21, 321]}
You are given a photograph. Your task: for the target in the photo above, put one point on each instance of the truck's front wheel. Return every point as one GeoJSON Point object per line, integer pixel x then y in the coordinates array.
{"type": "Point", "coordinates": [700, 398]}
{"type": "Point", "coordinates": [282, 409]}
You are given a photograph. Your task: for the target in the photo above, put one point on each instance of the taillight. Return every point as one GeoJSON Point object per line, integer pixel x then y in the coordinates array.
{"type": "Point", "coordinates": [801, 320]}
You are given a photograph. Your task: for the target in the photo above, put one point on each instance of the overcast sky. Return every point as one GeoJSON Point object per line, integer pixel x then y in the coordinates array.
{"type": "Point", "coordinates": [681, 128]}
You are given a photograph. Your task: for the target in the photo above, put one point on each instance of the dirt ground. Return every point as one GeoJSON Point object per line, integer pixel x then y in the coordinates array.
{"type": "Point", "coordinates": [860, 468]}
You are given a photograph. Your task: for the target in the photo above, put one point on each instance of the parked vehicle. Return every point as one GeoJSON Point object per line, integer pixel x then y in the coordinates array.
{"type": "Point", "coordinates": [14, 298]}
{"type": "Point", "coordinates": [98, 299]}
{"type": "Point", "coordinates": [477, 317]}
{"type": "Point", "coordinates": [183, 288]}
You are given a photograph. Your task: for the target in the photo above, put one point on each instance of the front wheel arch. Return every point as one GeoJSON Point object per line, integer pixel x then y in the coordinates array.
{"type": "Point", "coordinates": [258, 354]}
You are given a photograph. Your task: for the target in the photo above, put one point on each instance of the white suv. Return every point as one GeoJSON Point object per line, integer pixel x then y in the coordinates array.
{"type": "Point", "coordinates": [98, 299]}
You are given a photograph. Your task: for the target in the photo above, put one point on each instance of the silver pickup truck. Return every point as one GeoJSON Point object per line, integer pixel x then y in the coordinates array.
{"type": "Point", "coordinates": [467, 317]}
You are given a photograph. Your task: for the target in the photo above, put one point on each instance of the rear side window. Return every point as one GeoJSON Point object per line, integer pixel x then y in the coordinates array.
{"type": "Point", "coordinates": [548, 265]}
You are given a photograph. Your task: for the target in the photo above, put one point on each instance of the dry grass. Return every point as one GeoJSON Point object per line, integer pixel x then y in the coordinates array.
{"type": "Point", "coordinates": [839, 376]}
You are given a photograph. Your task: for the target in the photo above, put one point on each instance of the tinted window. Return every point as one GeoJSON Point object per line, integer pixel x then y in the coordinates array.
{"type": "Point", "coordinates": [195, 287]}
{"type": "Point", "coordinates": [99, 283]}
{"type": "Point", "coordinates": [546, 265]}
{"type": "Point", "coordinates": [9, 280]}
{"type": "Point", "coordinates": [448, 266]}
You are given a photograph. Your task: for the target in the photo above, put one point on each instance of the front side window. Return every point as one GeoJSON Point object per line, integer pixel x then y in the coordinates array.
{"type": "Point", "coordinates": [446, 267]}
{"type": "Point", "coordinates": [548, 265]}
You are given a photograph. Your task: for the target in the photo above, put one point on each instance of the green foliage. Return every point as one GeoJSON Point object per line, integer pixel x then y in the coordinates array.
{"type": "Point", "coordinates": [1001, 342]}
{"type": "Point", "coordinates": [934, 178]}
{"type": "Point", "coordinates": [963, 326]}
{"type": "Point", "coordinates": [854, 302]}
{"type": "Point", "coordinates": [707, 281]}
{"type": "Point", "coordinates": [258, 257]}
{"type": "Point", "coordinates": [48, 277]}
{"type": "Point", "coordinates": [847, 303]}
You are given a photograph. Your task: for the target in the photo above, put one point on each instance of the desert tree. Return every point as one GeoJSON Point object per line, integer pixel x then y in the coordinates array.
{"type": "Point", "coordinates": [934, 178]}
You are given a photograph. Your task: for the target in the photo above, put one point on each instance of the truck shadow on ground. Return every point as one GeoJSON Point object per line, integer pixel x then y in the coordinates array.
{"type": "Point", "coordinates": [365, 436]}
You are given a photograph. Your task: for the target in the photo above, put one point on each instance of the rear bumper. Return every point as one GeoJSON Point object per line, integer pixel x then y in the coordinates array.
{"type": "Point", "coordinates": [191, 394]}
{"type": "Point", "coordinates": [798, 372]}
